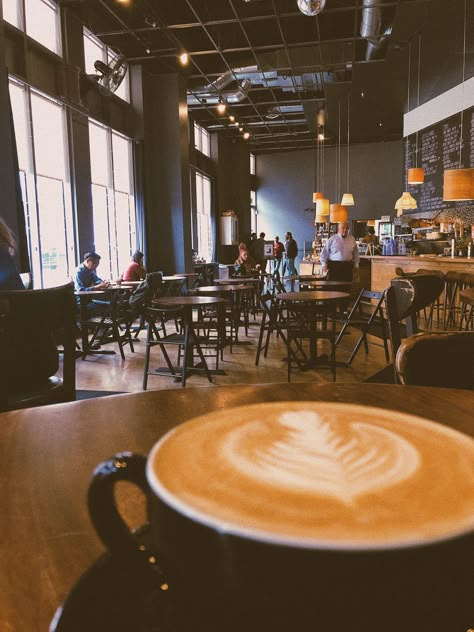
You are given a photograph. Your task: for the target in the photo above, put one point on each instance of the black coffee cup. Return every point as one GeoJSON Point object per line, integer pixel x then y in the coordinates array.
{"type": "Point", "coordinates": [233, 578]}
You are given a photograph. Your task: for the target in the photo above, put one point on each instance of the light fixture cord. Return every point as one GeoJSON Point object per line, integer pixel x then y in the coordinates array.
{"type": "Point", "coordinates": [418, 97]}
{"type": "Point", "coordinates": [338, 170]}
{"type": "Point", "coordinates": [463, 75]}
{"type": "Point", "coordinates": [348, 135]}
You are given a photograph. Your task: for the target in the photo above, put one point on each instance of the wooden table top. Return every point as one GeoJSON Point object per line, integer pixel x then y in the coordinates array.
{"type": "Point", "coordinates": [223, 288]}
{"type": "Point", "coordinates": [173, 277]}
{"type": "Point", "coordinates": [312, 296]}
{"type": "Point", "coordinates": [177, 301]}
{"type": "Point", "coordinates": [48, 454]}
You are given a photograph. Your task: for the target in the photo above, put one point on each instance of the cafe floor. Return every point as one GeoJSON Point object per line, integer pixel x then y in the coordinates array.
{"type": "Point", "coordinates": [111, 373]}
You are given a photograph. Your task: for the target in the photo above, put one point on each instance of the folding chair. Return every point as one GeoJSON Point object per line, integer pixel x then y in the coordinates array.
{"type": "Point", "coordinates": [367, 316]}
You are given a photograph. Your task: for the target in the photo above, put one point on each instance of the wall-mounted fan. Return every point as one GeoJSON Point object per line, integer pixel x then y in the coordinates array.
{"type": "Point", "coordinates": [111, 74]}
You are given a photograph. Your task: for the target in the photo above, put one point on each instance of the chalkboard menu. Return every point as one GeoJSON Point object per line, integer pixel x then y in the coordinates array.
{"type": "Point", "coordinates": [438, 149]}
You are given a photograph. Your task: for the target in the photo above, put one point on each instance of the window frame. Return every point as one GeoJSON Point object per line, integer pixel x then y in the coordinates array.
{"type": "Point", "coordinates": [123, 92]}
{"type": "Point", "coordinates": [202, 141]}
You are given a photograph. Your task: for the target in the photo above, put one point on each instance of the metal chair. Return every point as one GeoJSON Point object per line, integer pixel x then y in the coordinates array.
{"type": "Point", "coordinates": [367, 316]}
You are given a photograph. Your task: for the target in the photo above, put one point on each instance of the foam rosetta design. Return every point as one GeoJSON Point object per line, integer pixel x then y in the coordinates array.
{"type": "Point", "coordinates": [315, 454]}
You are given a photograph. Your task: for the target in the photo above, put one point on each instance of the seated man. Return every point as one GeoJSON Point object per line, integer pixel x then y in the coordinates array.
{"type": "Point", "coordinates": [86, 279]}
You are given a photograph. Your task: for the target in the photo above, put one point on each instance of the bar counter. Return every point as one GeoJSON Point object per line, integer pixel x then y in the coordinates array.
{"type": "Point", "coordinates": [382, 269]}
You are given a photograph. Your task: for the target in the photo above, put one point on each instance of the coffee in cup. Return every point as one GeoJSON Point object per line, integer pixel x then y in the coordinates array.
{"type": "Point", "coordinates": [317, 516]}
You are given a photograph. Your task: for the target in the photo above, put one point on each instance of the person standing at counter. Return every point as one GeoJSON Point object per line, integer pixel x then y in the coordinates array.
{"type": "Point", "coordinates": [340, 255]}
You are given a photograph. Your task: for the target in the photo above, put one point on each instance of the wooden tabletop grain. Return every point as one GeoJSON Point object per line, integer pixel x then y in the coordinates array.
{"type": "Point", "coordinates": [48, 454]}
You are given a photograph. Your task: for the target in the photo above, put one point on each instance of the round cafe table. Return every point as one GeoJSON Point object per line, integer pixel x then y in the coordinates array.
{"type": "Point", "coordinates": [47, 456]}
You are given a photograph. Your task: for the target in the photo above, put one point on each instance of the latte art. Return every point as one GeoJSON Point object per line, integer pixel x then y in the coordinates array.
{"type": "Point", "coordinates": [315, 455]}
{"type": "Point", "coordinates": [338, 475]}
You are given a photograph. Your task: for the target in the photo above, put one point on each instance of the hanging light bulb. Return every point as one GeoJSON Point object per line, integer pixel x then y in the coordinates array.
{"type": "Point", "coordinates": [416, 175]}
{"type": "Point", "coordinates": [338, 213]}
{"type": "Point", "coordinates": [221, 107]}
{"type": "Point", "coordinates": [246, 135]}
{"type": "Point", "coordinates": [184, 58]}
{"type": "Point", "coordinates": [348, 198]}
{"type": "Point", "coordinates": [322, 207]}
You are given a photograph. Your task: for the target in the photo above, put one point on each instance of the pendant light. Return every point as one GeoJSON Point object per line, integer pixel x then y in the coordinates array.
{"type": "Point", "coordinates": [318, 195]}
{"type": "Point", "coordinates": [459, 183]}
{"type": "Point", "coordinates": [416, 175]}
{"type": "Point", "coordinates": [406, 202]}
{"type": "Point", "coordinates": [338, 212]}
{"type": "Point", "coordinates": [348, 198]}
{"type": "Point", "coordinates": [322, 203]}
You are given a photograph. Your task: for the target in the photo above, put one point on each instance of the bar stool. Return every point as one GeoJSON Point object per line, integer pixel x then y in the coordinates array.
{"type": "Point", "coordinates": [454, 282]}
{"type": "Point", "coordinates": [466, 297]}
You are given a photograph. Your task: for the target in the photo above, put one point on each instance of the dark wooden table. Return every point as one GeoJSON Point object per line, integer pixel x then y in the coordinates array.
{"type": "Point", "coordinates": [47, 456]}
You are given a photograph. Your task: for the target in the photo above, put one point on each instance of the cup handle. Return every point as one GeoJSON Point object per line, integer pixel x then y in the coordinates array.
{"type": "Point", "coordinates": [107, 521]}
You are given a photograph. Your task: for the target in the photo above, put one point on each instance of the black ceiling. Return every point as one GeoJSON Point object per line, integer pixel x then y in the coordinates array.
{"type": "Point", "coordinates": [274, 66]}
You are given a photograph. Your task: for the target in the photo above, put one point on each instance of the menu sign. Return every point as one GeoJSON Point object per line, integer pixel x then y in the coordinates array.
{"type": "Point", "coordinates": [438, 149]}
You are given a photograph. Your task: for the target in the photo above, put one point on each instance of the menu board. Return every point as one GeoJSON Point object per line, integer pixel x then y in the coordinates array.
{"type": "Point", "coordinates": [438, 149]}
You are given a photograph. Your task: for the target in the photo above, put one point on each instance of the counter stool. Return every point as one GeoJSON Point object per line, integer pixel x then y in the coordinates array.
{"type": "Point", "coordinates": [467, 308]}
{"type": "Point", "coordinates": [454, 283]}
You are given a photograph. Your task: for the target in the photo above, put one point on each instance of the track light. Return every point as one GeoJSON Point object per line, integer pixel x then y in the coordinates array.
{"type": "Point", "coordinates": [232, 118]}
{"type": "Point", "coordinates": [184, 58]}
{"type": "Point", "coordinates": [221, 107]}
{"type": "Point", "coordinates": [246, 135]}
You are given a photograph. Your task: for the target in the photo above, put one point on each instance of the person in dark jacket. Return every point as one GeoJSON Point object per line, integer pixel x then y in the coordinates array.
{"type": "Point", "coordinates": [291, 249]}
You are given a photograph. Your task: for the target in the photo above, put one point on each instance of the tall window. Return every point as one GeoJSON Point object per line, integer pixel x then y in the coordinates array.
{"type": "Point", "coordinates": [253, 210]}
{"type": "Point", "coordinates": [12, 12]}
{"type": "Point", "coordinates": [203, 214]}
{"type": "Point", "coordinates": [40, 130]}
{"type": "Point", "coordinates": [252, 164]}
{"type": "Point", "coordinates": [41, 18]}
{"type": "Point", "coordinates": [95, 50]}
{"type": "Point", "coordinates": [201, 140]}
{"type": "Point", "coordinates": [112, 198]}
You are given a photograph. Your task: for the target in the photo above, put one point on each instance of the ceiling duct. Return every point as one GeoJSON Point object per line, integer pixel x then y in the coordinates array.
{"type": "Point", "coordinates": [213, 92]}
{"type": "Point", "coordinates": [277, 110]}
{"type": "Point", "coordinates": [370, 27]}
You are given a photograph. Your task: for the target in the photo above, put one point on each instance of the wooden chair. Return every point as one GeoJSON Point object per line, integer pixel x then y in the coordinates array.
{"type": "Point", "coordinates": [405, 297]}
{"type": "Point", "coordinates": [33, 323]}
{"type": "Point", "coordinates": [442, 359]}
{"type": "Point", "coordinates": [366, 315]}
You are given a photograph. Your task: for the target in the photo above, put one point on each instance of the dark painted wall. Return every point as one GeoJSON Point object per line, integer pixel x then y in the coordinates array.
{"type": "Point", "coordinates": [233, 181]}
{"type": "Point", "coordinates": [287, 183]}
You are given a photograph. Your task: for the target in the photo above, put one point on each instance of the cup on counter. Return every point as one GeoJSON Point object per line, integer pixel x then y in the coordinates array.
{"type": "Point", "coordinates": [305, 516]}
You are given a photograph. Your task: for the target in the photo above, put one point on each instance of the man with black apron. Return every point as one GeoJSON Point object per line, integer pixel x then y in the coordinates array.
{"type": "Point", "coordinates": [340, 256]}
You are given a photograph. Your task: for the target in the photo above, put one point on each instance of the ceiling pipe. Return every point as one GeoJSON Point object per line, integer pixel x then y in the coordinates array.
{"type": "Point", "coordinates": [370, 25]}
{"type": "Point", "coordinates": [235, 96]}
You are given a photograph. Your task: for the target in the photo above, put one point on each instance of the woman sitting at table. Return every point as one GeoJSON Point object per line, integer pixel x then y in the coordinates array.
{"type": "Point", "coordinates": [245, 263]}
{"type": "Point", "coordinates": [136, 270]}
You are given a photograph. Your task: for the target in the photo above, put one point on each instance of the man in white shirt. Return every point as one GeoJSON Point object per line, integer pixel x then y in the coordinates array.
{"type": "Point", "coordinates": [340, 255]}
